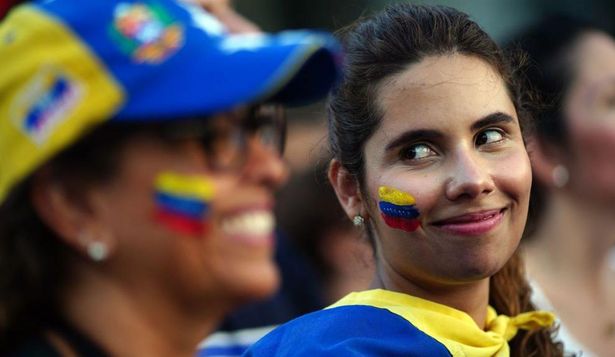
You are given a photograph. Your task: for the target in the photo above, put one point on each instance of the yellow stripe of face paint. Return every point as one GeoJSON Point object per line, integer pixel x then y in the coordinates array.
{"type": "Point", "coordinates": [395, 196]}
{"type": "Point", "coordinates": [195, 186]}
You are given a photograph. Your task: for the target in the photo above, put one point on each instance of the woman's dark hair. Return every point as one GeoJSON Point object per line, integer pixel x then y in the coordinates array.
{"type": "Point", "coordinates": [383, 45]}
{"type": "Point", "coordinates": [34, 262]}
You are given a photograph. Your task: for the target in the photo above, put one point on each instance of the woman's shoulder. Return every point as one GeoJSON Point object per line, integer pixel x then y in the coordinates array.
{"type": "Point", "coordinates": [348, 331]}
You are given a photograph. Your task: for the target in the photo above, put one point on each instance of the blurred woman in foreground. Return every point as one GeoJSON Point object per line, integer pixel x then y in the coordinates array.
{"type": "Point", "coordinates": [137, 169]}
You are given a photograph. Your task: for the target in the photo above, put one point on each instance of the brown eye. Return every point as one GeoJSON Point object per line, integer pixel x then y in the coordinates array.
{"type": "Point", "coordinates": [489, 136]}
{"type": "Point", "coordinates": [417, 152]}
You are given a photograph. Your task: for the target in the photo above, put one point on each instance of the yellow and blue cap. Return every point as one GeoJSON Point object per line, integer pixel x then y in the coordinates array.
{"type": "Point", "coordinates": [69, 65]}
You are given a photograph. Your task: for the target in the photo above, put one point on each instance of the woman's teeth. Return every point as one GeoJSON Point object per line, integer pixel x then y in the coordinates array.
{"type": "Point", "coordinates": [252, 223]}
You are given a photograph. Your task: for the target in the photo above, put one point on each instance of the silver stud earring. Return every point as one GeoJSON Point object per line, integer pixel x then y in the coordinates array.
{"type": "Point", "coordinates": [560, 176]}
{"type": "Point", "coordinates": [97, 251]}
{"type": "Point", "coordinates": [358, 220]}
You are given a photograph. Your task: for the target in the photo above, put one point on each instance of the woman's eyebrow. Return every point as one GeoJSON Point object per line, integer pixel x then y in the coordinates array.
{"type": "Point", "coordinates": [414, 135]}
{"type": "Point", "coordinates": [492, 119]}
{"type": "Point", "coordinates": [430, 134]}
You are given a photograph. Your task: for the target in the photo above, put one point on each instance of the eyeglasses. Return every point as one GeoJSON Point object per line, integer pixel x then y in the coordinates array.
{"type": "Point", "coordinates": [228, 138]}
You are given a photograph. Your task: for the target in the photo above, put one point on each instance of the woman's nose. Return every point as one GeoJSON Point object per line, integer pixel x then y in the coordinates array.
{"type": "Point", "coordinates": [470, 176]}
{"type": "Point", "coordinates": [264, 165]}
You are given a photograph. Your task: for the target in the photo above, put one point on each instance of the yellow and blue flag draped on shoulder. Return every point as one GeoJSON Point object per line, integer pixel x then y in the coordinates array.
{"type": "Point", "coordinates": [453, 328]}
{"type": "Point", "coordinates": [385, 323]}
{"type": "Point", "coordinates": [70, 65]}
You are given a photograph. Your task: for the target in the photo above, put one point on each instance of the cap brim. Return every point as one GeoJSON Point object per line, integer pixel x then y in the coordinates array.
{"type": "Point", "coordinates": [294, 67]}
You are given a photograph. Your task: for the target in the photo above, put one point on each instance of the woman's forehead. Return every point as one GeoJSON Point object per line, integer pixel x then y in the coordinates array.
{"type": "Point", "coordinates": [444, 89]}
{"type": "Point", "coordinates": [595, 56]}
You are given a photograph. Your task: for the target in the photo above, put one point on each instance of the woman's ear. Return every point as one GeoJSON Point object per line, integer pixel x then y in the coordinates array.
{"type": "Point", "coordinates": [347, 190]}
{"type": "Point", "coordinates": [547, 165]}
{"type": "Point", "coordinates": [73, 220]}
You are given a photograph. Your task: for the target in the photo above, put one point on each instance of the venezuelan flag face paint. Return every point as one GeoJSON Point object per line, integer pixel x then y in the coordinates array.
{"type": "Point", "coordinates": [397, 209]}
{"type": "Point", "coordinates": [182, 202]}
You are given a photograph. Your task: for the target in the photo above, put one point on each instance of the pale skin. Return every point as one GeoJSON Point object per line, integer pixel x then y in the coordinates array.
{"type": "Point", "coordinates": [160, 292]}
{"type": "Point", "coordinates": [450, 137]}
{"type": "Point", "coordinates": [568, 255]}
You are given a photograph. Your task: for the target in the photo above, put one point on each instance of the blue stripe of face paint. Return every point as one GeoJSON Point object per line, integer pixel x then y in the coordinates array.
{"type": "Point", "coordinates": [189, 207]}
{"type": "Point", "coordinates": [394, 210]}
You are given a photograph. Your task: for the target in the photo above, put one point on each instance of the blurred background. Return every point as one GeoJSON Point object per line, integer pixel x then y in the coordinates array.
{"type": "Point", "coordinates": [498, 17]}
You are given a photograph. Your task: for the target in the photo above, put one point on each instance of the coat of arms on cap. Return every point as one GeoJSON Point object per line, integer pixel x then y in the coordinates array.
{"type": "Point", "coordinates": [146, 32]}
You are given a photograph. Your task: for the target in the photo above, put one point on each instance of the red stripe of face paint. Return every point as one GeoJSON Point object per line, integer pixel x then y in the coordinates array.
{"type": "Point", "coordinates": [405, 224]}
{"type": "Point", "coordinates": [181, 224]}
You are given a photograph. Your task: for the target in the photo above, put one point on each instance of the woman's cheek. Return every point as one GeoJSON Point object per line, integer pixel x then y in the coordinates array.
{"type": "Point", "coordinates": [183, 202]}
{"type": "Point", "coordinates": [519, 173]}
{"type": "Point", "coordinates": [398, 209]}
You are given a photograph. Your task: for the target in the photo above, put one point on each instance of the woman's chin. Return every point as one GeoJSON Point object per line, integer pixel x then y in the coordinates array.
{"type": "Point", "coordinates": [259, 284]}
{"type": "Point", "coordinates": [474, 270]}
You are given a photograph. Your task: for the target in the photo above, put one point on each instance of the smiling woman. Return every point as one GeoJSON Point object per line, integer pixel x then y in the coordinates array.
{"type": "Point", "coordinates": [466, 166]}
{"type": "Point", "coordinates": [140, 149]}
{"type": "Point", "coordinates": [426, 131]}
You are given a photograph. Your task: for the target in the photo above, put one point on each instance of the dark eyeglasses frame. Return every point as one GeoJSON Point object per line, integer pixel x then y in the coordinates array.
{"type": "Point", "coordinates": [229, 127]}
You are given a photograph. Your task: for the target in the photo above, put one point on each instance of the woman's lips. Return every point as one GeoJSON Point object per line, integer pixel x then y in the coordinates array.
{"type": "Point", "coordinates": [471, 224]}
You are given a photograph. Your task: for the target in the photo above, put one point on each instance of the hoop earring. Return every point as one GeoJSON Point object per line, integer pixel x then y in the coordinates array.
{"type": "Point", "coordinates": [560, 176]}
{"type": "Point", "coordinates": [358, 220]}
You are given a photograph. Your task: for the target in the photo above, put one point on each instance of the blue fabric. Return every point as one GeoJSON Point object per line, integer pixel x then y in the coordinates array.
{"type": "Point", "coordinates": [355, 330]}
{"type": "Point", "coordinates": [226, 351]}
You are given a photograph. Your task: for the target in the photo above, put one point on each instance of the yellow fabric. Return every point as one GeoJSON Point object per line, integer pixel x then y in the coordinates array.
{"type": "Point", "coordinates": [194, 186]}
{"type": "Point", "coordinates": [453, 328]}
{"type": "Point", "coordinates": [37, 52]}
{"type": "Point", "coordinates": [395, 196]}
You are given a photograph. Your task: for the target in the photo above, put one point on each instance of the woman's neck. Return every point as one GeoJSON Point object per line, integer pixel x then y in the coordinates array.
{"type": "Point", "coordinates": [569, 259]}
{"type": "Point", "coordinates": [126, 320]}
{"type": "Point", "coordinates": [573, 242]}
{"type": "Point", "coordinates": [471, 298]}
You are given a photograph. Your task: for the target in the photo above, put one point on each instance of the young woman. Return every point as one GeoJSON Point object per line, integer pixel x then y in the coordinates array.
{"type": "Point", "coordinates": [137, 172]}
{"type": "Point", "coordinates": [570, 255]}
{"type": "Point", "coordinates": [426, 130]}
